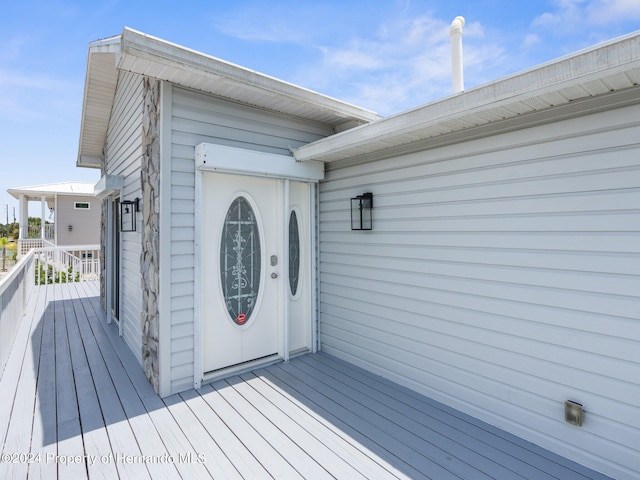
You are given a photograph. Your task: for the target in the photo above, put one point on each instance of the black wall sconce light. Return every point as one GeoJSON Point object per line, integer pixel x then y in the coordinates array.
{"type": "Point", "coordinates": [361, 207]}
{"type": "Point", "coordinates": [128, 209]}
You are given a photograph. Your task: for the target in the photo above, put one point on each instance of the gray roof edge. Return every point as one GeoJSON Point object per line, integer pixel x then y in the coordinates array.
{"type": "Point", "coordinates": [51, 189]}
{"type": "Point", "coordinates": [598, 62]}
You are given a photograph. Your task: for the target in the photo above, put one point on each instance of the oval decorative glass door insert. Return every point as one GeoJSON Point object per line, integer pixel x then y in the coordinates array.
{"type": "Point", "coordinates": [240, 260]}
{"type": "Point", "coordinates": [294, 253]}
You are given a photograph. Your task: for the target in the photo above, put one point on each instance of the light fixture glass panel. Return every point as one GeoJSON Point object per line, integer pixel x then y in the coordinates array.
{"type": "Point", "coordinates": [127, 216]}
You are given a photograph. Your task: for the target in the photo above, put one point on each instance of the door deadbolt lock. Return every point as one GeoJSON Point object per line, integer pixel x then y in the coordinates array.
{"type": "Point", "coordinates": [274, 275]}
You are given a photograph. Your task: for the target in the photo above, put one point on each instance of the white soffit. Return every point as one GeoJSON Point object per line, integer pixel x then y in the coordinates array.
{"type": "Point", "coordinates": [142, 54]}
{"type": "Point", "coordinates": [222, 159]}
{"type": "Point", "coordinates": [99, 91]}
{"type": "Point", "coordinates": [609, 67]}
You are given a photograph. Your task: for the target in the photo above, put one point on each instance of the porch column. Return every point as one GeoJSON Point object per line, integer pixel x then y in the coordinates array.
{"type": "Point", "coordinates": [43, 204]}
{"type": "Point", "coordinates": [23, 217]}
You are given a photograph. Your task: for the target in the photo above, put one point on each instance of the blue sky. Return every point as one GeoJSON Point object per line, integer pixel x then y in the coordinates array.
{"type": "Point", "coordinates": [387, 56]}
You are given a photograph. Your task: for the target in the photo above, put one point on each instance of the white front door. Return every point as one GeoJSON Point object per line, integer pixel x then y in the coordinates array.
{"type": "Point", "coordinates": [242, 278]}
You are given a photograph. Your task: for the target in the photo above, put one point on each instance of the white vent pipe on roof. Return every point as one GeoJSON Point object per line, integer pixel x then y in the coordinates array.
{"type": "Point", "coordinates": [455, 33]}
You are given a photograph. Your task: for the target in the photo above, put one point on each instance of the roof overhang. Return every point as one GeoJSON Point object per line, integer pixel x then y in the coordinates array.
{"type": "Point", "coordinates": [99, 91]}
{"type": "Point", "coordinates": [152, 57]}
{"type": "Point", "coordinates": [81, 189]}
{"type": "Point", "coordinates": [145, 55]}
{"type": "Point", "coordinates": [610, 67]}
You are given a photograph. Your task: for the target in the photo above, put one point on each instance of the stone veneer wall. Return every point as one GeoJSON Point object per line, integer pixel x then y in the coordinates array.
{"type": "Point", "coordinates": [150, 256]}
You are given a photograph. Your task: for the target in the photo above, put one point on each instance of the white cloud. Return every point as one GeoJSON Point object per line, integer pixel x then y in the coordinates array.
{"type": "Point", "coordinates": [10, 79]}
{"type": "Point", "coordinates": [405, 64]}
{"type": "Point", "coordinates": [530, 39]}
{"type": "Point", "coordinates": [400, 63]}
{"type": "Point", "coordinates": [577, 14]}
{"type": "Point", "coordinates": [275, 22]}
{"type": "Point", "coordinates": [601, 12]}
{"type": "Point", "coordinates": [26, 97]}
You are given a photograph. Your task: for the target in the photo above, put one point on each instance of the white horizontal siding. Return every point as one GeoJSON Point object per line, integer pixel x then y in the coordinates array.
{"type": "Point", "coordinates": [123, 153]}
{"type": "Point", "coordinates": [502, 276]}
{"type": "Point", "coordinates": [198, 118]}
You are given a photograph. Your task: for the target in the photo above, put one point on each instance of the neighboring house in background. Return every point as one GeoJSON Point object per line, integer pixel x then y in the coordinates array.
{"type": "Point", "coordinates": [69, 214]}
{"type": "Point", "coordinates": [501, 273]}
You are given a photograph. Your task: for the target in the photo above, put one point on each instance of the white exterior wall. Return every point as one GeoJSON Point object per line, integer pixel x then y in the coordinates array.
{"type": "Point", "coordinates": [502, 277]}
{"type": "Point", "coordinates": [123, 157]}
{"type": "Point", "coordinates": [198, 118]}
{"type": "Point", "coordinates": [85, 223]}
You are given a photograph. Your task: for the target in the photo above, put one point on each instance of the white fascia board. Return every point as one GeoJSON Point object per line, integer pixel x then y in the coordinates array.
{"type": "Point", "coordinates": [87, 161]}
{"type": "Point", "coordinates": [521, 91]}
{"type": "Point", "coordinates": [139, 45]}
{"type": "Point", "coordinates": [108, 185]}
{"type": "Point", "coordinates": [220, 158]}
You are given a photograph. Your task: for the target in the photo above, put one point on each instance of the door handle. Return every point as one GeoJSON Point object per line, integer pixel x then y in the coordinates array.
{"type": "Point", "coordinates": [274, 275]}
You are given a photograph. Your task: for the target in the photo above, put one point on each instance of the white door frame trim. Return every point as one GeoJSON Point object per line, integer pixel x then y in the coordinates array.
{"type": "Point", "coordinates": [285, 269]}
{"type": "Point", "coordinates": [223, 159]}
{"type": "Point", "coordinates": [198, 372]}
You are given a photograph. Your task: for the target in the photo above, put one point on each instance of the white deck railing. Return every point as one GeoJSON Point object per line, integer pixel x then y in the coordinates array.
{"type": "Point", "coordinates": [43, 265]}
{"type": "Point", "coordinates": [15, 289]}
{"type": "Point", "coordinates": [35, 231]}
{"type": "Point", "coordinates": [65, 264]}
{"type": "Point", "coordinates": [26, 244]}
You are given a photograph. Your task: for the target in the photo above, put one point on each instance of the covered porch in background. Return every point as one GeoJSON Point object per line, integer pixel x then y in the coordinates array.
{"type": "Point", "coordinates": [76, 404]}
{"type": "Point", "coordinates": [45, 234]}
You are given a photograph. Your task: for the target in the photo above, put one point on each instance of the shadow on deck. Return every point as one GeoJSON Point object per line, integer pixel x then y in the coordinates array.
{"type": "Point", "coordinates": [75, 403]}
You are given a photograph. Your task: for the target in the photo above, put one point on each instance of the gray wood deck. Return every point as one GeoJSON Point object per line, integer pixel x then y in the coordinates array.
{"type": "Point", "coordinates": [75, 404]}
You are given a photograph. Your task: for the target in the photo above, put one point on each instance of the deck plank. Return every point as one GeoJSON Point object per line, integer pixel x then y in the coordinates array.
{"type": "Point", "coordinates": [252, 442]}
{"type": "Point", "coordinates": [155, 430]}
{"type": "Point", "coordinates": [44, 433]}
{"type": "Point", "coordinates": [288, 420]}
{"type": "Point", "coordinates": [403, 429]}
{"type": "Point", "coordinates": [70, 441]}
{"type": "Point", "coordinates": [94, 433]}
{"type": "Point", "coordinates": [245, 463]}
{"type": "Point", "coordinates": [73, 388]}
{"type": "Point", "coordinates": [186, 412]}
{"type": "Point", "coordinates": [353, 453]}
{"type": "Point", "coordinates": [408, 461]}
{"type": "Point", "coordinates": [255, 414]}
{"type": "Point", "coordinates": [502, 445]}
{"type": "Point", "coordinates": [121, 436]}
{"type": "Point", "coordinates": [471, 459]}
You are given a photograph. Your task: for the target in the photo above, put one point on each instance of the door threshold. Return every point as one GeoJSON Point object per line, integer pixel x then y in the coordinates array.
{"type": "Point", "coordinates": [240, 368]}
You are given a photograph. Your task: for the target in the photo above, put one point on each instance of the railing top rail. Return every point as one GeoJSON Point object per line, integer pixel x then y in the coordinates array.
{"type": "Point", "coordinates": [67, 248]}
